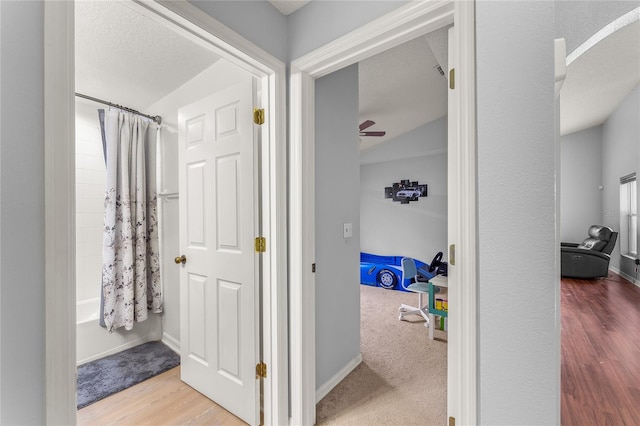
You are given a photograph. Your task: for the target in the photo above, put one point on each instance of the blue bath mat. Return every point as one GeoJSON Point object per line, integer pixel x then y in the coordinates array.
{"type": "Point", "coordinates": [103, 377]}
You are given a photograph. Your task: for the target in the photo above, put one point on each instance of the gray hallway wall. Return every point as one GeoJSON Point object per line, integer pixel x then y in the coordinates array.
{"type": "Point", "coordinates": [337, 202]}
{"type": "Point", "coordinates": [22, 342]}
{"type": "Point", "coordinates": [518, 275]}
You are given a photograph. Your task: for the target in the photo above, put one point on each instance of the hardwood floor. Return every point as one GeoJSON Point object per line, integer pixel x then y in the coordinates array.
{"type": "Point", "coordinates": [161, 400]}
{"type": "Point", "coordinates": [600, 373]}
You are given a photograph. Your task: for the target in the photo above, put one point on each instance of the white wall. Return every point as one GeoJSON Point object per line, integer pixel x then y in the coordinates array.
{"type": "Point", "coordinates": [337, 202]}
{"type": "Point", "coordinates": [621, 156]}
{"type": "Point", "coordinates": [417, 229]}
{"type": "Point", "coordinates": [220, 75]}
{"type": "Point", "coordinates": [91, 178]}
{"type": "Point", "coordinates": [581, 168]}
{"type": "Point", "coordinates": [22, 341]}
{"type": "Point", "coordinates": [518, 278]}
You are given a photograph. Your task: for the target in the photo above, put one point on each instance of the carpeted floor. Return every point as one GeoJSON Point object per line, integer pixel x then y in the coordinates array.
{"type": "Point", "coordinates": [403, 377]}
{"type": "Point", "coordinates": [106, 376]}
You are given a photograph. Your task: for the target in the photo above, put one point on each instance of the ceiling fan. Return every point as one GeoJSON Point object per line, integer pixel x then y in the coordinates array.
{"type": "Point", "coordinates": [366, 125]}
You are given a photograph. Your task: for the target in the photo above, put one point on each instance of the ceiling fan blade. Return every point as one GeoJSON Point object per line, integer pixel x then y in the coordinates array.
{"type": "Point", "coordinates": [366, 124]}
{"type": "Point", "coordinates": [373, 133]}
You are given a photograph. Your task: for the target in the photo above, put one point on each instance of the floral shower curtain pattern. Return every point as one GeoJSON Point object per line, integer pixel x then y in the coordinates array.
{"type": "Point", "coordinates": [131, 285]}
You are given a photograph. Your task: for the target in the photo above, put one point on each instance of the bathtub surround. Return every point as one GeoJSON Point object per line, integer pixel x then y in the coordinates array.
{"type": "Point", "coordinates": [104, 377]}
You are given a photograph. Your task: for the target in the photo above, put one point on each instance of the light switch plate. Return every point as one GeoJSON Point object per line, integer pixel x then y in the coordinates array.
{"type": "Point", "coordinates": [348, 230]}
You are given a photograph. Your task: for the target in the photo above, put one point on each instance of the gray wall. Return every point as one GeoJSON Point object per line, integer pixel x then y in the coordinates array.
{"type": "Point", "coordinates": [320, 22]}
{"type": "Point", "coordinates": [22, 214]}
{"type": "Point", "coordinates": [581, 168]}
{"type": "Point", "coordinates": [257, 21]}
{"type": "Point", "coordinates": [337, 202]}
{"type": "Point", "coordinates": [417, 229]}
{"type": "Point", "coordinates": [621, 149]}
{"type": "Point", "coordinates": [577, 20]}
{"type": "Point", "coordinates": [518, 279]}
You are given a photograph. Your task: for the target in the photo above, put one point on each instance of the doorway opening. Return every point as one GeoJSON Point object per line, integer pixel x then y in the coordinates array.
{"type": "Point", "coordinates": [598, 127]}
{"type": "Point", "coordinates": [402, 93]}
{"type": "Point", "coordinates": [393, 29]}
{"type": "Point", "coordinates": [235, 58]}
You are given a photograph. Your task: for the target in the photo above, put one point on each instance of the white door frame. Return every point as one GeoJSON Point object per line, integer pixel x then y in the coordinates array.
{"type": "Point", "coordinates": [401, 25]}
{"type": "Point", "coordinates": [59, 106]}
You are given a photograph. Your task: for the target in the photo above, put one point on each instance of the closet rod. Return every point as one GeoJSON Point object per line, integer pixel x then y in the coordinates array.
{"type": "Point", "coordinates": [155, 118]}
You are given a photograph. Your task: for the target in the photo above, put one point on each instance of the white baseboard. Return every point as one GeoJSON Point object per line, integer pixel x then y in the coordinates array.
{"type": "Point", "coordinates": [115, 350]}
{"type": "Point", "coordinates": [625, 276]}
{"type": "Point", "coordinates": [173, 343]}
{"type": "Point", "coordinates": [337, 378]}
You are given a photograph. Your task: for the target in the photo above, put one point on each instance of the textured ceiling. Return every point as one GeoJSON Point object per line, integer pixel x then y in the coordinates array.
{"type": "Point", "coordinates": [287, 7]}
{"type": "Point", "coordinates": [126, 58]}
{"type": "Point", "coordinates": [599, 79]}
{"type": "Point", "coordinates": [400, 90]}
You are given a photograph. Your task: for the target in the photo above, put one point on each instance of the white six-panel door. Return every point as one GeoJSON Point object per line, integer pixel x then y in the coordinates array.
{"type": "Point", "coordinates": [219, 280]}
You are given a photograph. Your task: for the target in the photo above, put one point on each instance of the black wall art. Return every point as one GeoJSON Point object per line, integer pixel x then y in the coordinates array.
{"type": "Point", "coordinates": [405, 191]}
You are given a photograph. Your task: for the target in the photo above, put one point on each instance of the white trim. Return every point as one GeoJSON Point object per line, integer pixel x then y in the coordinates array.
{"type": "Point", "coordinates": [302, 249]}
{"type": "Point", "coordinates": [462, 349]}
{"type": "Point", "coordinates": [399, 26]}
{"type": "Point", "coordinates": [115, 350]}
{"type": "Point", "coordinates": [625, 276]}
{"type": "Point", "coordinates": [59, 252]}
{"type": "Point", "coordinates": [405, 23]}
{"type": "Point", "coordinates": [618, 24]}
{"type": "Point", "coordinates": [337, 378]}
{"type": "Point", "coordinates": [173, 343]}
{"type": "Point", "coordinates": [59, 157]}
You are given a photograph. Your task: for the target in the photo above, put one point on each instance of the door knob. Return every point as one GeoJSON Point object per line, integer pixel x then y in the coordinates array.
{"type": "Point", "coordinates": [181, 259]}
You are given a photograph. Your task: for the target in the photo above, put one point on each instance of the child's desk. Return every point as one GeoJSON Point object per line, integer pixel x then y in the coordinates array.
{"type": "Point", "coordinates": [438, 281]}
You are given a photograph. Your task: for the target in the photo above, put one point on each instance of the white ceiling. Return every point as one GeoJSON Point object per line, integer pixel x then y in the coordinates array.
{"type": "Point", "coordinates": [599, 79]}
{"type": "Point", "coordinates": [401, 89]}
{"type": "Point", "coordinates": [126, 58]}
{"type": "Point", "coordinates": [287, 7]}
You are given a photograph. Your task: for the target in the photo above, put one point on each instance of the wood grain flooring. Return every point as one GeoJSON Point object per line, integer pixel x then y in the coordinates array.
{"type": "Point", "coordinates": [600, 373]}
{"type": "Point", "coordinates": [161, 400]}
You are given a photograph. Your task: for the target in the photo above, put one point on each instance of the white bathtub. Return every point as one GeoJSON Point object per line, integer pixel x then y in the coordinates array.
{"type": "Point", "coordinates": [87, 310]}
{"type": "Point", "coordinates": [94, 342]}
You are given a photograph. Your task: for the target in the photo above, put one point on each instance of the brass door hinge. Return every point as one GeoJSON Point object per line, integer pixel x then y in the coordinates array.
{"type": "Point", "coordinates": [452, 78]}
{"type": "Point", "coordinates": [452, 421]}
{"type": "Point", "coordinates": [258, 116]}
{"type": "Point", "coordinates": [261, 370]}
{"type": "Point", "coordinates": [261, 244]}
{"type": "Point", "coordinates": [452, 254]}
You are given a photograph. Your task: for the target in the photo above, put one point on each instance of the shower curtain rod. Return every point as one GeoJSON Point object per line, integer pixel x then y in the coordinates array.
{"type": "Point", "coordinates": [155, 118]}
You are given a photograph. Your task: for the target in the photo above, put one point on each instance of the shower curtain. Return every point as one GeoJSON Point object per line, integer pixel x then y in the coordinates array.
{"type": "Point", "coordinates": [131, 284]}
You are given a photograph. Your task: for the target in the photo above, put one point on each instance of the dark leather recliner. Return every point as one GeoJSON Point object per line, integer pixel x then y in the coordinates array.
{"type": "Point", "coordinates": [589, 259]}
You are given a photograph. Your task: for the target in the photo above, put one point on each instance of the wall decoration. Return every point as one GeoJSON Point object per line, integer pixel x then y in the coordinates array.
{"type": "Point", "coordinates": [405, 191]}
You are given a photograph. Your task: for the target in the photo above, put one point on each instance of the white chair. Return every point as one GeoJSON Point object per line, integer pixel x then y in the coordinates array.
{"type": "Point", "coordinates": [418, 285]}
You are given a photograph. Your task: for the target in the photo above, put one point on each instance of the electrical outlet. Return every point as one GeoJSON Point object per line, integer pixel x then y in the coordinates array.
{"type": "Point", "coordinates": [348, 230]}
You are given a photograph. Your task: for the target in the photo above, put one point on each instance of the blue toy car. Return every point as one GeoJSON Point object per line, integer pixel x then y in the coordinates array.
{"type": "Point", "coordinates": [384, 271]}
